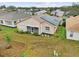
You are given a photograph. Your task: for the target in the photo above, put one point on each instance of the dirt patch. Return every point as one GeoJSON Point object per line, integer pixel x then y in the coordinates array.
{"type": "Point", "coordinates": [1, 39]}
{"type": "Point", "coordinates": [41, 45]}
{"type": "Point", "coordinates": [14, 51]}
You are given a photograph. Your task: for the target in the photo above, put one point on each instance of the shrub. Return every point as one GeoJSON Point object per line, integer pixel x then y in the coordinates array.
{"type": "Point", "coordinates": [27, 32]}
{"type": "Point", "coordinates": [16, 31]}
{"type": "Point", "coordinates": [23, 32]}
{"type": "Point", "coordinates": [8, 41]}
{"type": "Point", "coordinates": [0, 29]}
{"type": "Point", "coordinates": [23, 54]}
{"type": "Point", "coordinates": [20, 32]}
{"type": "Point", "coordinates": [36, 34]}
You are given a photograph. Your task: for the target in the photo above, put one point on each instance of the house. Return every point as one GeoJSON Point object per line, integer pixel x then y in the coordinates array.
{"type": "Point", "coordinates": [39, 24]}
{"type": "Point", "coordinates": [11, 18]}
{"type": "Point", "coordinates": [25, 11]}
{"type": "Point", "coordinates": [58, 13]}
{"type": "Point", "coordinates": [40, 12]}
{"type": "Point", "coordinates": [72, 28]}
{"type": "Point", "coordinates": [29, 12]}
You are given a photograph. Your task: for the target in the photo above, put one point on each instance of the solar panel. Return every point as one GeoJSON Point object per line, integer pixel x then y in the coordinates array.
{"type": "Point", "coordinates": [53, 20]}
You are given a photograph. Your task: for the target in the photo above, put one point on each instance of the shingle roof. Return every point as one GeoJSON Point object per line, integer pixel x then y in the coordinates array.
{"type": "Point", "coordinates": [72, 24]}
{"type": "Point", "coordinates": [43, 11]}
{"type": "Point", "coordinates": [13, 15]}
{"type": "Point", "coordinates": [3, 13]}
{"type": "Point", "coordinates": [51, 19]}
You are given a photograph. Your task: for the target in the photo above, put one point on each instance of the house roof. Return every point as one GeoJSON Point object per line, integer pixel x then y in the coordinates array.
{"type": "Point", "coordinates": [57, 11]}
{"type": "Point", "coordinates": [72, 24]}
{"type": "Point", "coordinates": [45, 17]}
{"type": "Point", "coordinates": [42, 11]}
{"type": "Point", "coordinates": [51, 19]}
{"type": "Point", "coordinates": [13, 15]}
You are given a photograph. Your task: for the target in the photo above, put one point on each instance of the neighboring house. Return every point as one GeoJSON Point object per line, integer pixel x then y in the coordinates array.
{"type": "Point", "coordinates": [40, 12]}
{"type": "Point", "coordinates": [66, 13]}
{"type": "Point", "coordinates": [58, 13]}
{"type": "Point", "coordinates": [11, 18]}
{"type": "Point", "coordinates": [73, 12]}
{"type": "Point", "coordinates": [29, 12]}
{"type": "Point", "coordinates": [25, 11]}
{"type": "Point", "coordinates": [39, 24]}
{"type": "Point", "coordinates": [72, 28]}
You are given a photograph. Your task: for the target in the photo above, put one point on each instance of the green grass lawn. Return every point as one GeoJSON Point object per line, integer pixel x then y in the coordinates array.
{"type": "Point", "coordinates": [43, 46]}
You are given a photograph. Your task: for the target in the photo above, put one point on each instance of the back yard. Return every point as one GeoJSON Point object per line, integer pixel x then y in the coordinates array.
{"type": "Point", "coordinates": [31, 45]}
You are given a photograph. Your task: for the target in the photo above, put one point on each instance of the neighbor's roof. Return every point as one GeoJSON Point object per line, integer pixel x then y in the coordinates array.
{"type": "Point", "coordinates": [43, 11]}
{"type": "Point", "coordinates": [13, 15]}
{"type": "Point", "coordinates": [58, 12]}
{"type": "Point", "coordinates": [72, 24]}
{"type": "Point", "coordinates": [2, 12]}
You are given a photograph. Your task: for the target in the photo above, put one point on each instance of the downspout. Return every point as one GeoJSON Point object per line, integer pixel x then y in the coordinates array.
{"type": "Point", "coordinates": [41, 27]}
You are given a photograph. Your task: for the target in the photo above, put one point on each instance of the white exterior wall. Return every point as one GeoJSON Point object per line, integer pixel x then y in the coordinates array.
{"type": "Point", "coordinates": [52, 28]}
{"type": "Point", "coordinates": [75, 35]}
{"type": "Point", "coordinates": [30, 22]}
{"type": "Point", "coordinates": [0, 22]}
{"type": "Point", "coordinates": [11, 25]}
{"type": "Point", "coordinates": [30, 13]}
{"type": "Point", "coordinates": [22, 27]}
{"type": "Point", "coordinates": [33, 23]}
{"type": "Point", "coordinates": [60, 13]}
{"type": "Point", "coordinates": [7, 24]}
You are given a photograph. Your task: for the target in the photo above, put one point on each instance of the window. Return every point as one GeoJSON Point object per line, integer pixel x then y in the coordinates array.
{"type": "Point", "coordinates": [32, 29]}
{"type": "Point", "coordinates": [54, 27]}
{"type": "Point", "coordinates": [47, 28]}
{"type": "Point", "coordinates": [8, 22]}
{"type": "Point", "coordinates": [71, 34]}
{"type": "Point", "coordinates": [14, 22]}
{"type": "Point", "coordinates": [1, 21]}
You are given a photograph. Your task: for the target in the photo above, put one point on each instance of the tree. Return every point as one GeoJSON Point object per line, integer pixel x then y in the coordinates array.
{"type": "Point", "coordinates": [11, 8]}
{"type": "Point", "coordinates": [51, 9]}
{"type": "Point", "coordinates": [2, 6]}
{"type": "Point", "coordinates": [75, 4]}
{"type": "Point", "coordinates": [33, 10]}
